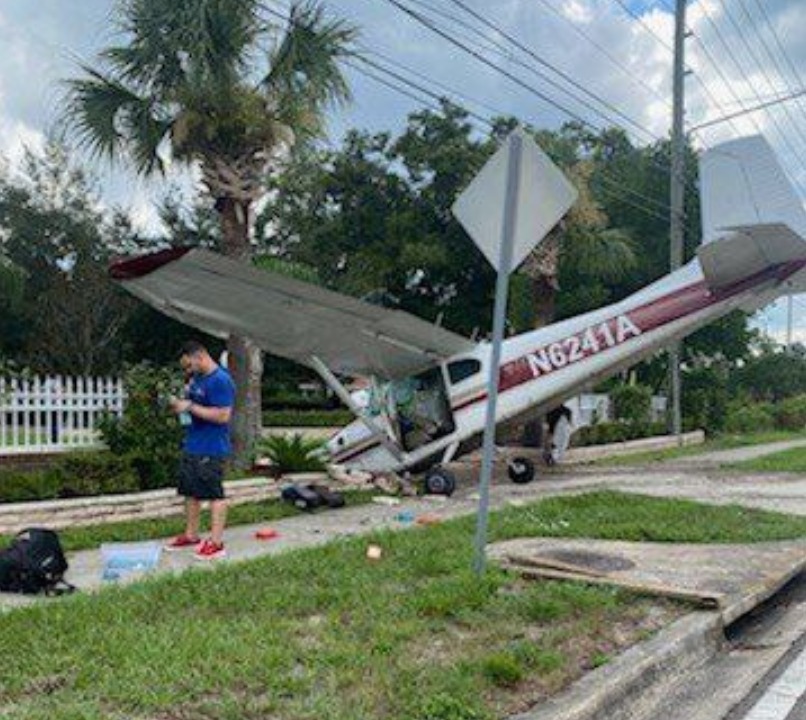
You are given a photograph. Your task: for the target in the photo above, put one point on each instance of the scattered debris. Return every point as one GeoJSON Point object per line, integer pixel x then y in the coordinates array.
{"type": "Point", "coordinates": [374, 552]}
{"type": "Point", "coordinates": [386, 500]}
{"type": "Point", "coordinates": [429, 519]}
{"type": "Point", "coordinates": [267, 534]}
{"type": "Point", "coordinates": [349, 478]}
{"type": "Point", "coordinates": [405, 517]}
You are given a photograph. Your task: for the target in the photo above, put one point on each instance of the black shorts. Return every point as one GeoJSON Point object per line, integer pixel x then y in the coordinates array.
{"type": "Point", "coordinates": [201, 477]}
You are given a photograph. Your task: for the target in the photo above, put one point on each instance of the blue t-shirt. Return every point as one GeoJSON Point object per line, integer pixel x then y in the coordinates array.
{"type": "Point", "coordinates": [204, 437]}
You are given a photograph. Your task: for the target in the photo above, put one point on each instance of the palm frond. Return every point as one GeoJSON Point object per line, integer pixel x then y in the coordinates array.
{"type": "Point", "coordinates": [169, 39]}
{"type": "Point", "coordinates": [306, 75]}
{"type": "Point", "coordinates": [110, 119]}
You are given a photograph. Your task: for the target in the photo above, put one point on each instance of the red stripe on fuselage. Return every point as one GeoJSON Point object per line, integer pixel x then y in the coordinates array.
{"type": "Point", "coordinates": [650, 316]}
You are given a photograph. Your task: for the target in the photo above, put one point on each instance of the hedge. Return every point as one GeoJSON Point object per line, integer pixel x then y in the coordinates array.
{"type": "Point", "coordinates": [306, 418]}
{"type": "Point", "coordinates": [81, 474]}
{"type": "Point", "coordinates": [613, 432]}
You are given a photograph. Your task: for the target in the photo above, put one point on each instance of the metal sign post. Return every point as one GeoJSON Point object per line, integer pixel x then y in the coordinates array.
{"type": "Point", "coordinates": [509, 207]}
{"type": "Point", "coordinates": [515, 147]}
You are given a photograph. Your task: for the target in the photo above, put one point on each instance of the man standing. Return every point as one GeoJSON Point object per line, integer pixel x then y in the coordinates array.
{"type": "Point", "coordinates": [209, 403]}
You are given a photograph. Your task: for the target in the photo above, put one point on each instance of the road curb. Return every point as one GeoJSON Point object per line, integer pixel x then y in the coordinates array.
{"type": "Point", "coordinates": [617, 690]}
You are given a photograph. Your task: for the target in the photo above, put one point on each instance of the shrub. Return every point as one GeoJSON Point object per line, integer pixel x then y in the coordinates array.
{"type": "Point", "coordinates": [746, 418]}
{"type": "Point", "coordinates": [447, 707]}
{"type": "Point", "coordinates": [24, 486]}
{"type": "Point", "coordinates": [632, 403]}
{"type": "Point", "coordinates": [147, 433]}
{"type": "Point", "coordinates": [293, 454]}
{"type": "Point", "coordinates": [83, 474]}
{"type": "Point", "coordinates": [503, 669]}
{"type": "Point", "coordinates": [790, 414]}
{"type": "Point", "coordinates": [705, 400]}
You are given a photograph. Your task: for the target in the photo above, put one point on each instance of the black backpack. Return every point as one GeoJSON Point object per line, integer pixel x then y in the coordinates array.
{"type": "Point", "coordinates": [311, 497]}
{"type": "Point", "coordinates": [34, 563]}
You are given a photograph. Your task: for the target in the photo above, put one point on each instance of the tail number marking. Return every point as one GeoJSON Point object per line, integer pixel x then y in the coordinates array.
{"type": "Point", "coordinates": [577, 347]}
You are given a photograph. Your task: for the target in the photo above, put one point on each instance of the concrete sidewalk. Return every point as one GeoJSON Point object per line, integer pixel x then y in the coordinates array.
{"type": "Point", "coordinates": [776, 492]}
{"type": "Point", "coordinates": [313, 529]}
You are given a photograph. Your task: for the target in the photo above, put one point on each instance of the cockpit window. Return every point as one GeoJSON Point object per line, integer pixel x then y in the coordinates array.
{"type": "Point", "coordinates": [463, 369]}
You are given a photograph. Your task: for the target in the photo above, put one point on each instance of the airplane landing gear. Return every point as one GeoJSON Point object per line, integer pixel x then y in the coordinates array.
{"type": "Point", "coordinates": [521, 470]}
{"type": "Point", "coordinates": [439, 481]}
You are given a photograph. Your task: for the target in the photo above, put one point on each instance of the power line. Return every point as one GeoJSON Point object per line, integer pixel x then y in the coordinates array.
{"type": "Point", "coordinates": [758, 61]}
{"type": "Point", "coordinates": [541, 61]}
{"type": "Point", "coordinates": [433, 99]}
{"type": "Point", "coordinates": [787, 60]}
{"type": "Point", "coordinates": [756, 108]}
{"type": "Point", "coordinates": [725, 81]}
{"type": "Point", "coordinates": [741, 70]}
{"type": "Point", "coordinates": [618, 188]}
{"type": "Point", "coordinates": [635, 16]}
{"type": "Point", "coordinates": [606, 177]}
{"type": "Point", "coordinates": [614, 60]}
{"type": "Point", "coordinates": [514, 78]}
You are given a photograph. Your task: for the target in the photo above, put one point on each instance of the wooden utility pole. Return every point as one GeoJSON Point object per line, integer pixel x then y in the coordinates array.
{"type": "Point", "coordinates": [677, 199]}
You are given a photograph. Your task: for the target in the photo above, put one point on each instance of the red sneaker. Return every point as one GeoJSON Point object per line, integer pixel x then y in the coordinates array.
{"type": "Point", "coordinates": [182, 542]}
{"type": "Point", "coordinates": [209, 550]}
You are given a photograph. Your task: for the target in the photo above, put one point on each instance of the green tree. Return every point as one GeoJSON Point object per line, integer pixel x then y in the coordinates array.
{"type": "Point", "coordinates": [64, 314]}
{"type": "Point", "coordinates": [223, 87]}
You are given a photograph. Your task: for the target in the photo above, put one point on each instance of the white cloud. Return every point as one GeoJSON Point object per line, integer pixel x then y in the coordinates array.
{"type": "Point", "coordinates": [41, 39]}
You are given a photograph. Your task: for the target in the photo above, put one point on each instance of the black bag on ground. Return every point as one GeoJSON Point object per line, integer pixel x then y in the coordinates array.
{"type": "Point", "coordinates": [328, 497]}
{"type": "Point", "coordinates": [302, 497]}
{"type": "Point", "coordinates": [34, 563]}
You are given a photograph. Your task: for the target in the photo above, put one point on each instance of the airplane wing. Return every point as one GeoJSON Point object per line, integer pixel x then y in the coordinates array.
{"type": "Point", "coordinates": [284, 316]}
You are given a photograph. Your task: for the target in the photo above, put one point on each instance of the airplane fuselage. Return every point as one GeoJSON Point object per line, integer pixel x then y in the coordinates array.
{"type": "Point", "coordinates": [542, 368]}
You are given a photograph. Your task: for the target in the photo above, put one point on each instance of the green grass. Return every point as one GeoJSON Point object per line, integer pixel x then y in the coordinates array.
{"type": "Point", "coordinates": [82, 538]}
{"type": "Point", "coordinates": [792, 460]}
{"type": "Point", "coordinates": [721, 442]}
{"type": "Point", "coordinates": [324, 633]}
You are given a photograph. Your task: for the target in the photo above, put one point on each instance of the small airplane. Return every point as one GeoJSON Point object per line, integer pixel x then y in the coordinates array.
{"type": "Point", "coordinates": [424, 404]}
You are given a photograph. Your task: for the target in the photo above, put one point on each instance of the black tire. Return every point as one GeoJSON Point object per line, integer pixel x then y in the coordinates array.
{"type": "Point", "coordinates": [521, 470]}
{"type": "Point", "coordinates": [440, 482]}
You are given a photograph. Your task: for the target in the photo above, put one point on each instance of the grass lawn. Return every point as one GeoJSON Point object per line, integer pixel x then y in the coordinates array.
{"type": "Point", "coordinates": [325, 634]}
{"type": "Point", "coordinates": [793, 460]}
{"type": "Point", "coordinates": [82, 538]}
{"type": "Point", "coordinates": [721, 442]}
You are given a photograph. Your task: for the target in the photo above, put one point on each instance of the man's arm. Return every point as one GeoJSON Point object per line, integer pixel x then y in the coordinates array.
{"type": "Point", "coordinates": [218, 415]}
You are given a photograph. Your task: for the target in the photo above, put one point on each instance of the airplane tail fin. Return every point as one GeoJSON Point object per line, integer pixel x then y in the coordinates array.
{"type": "Point", "coordinates": [752, 218]}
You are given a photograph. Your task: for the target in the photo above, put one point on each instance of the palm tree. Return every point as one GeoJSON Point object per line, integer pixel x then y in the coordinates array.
{"type": "Point", "coordinates": [215, 84]}
{"type": "Point", "coordinates": [586, 243]}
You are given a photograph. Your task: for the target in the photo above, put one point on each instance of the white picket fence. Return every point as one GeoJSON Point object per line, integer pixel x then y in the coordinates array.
{"type": "Point", "coordinates": [52, 414]}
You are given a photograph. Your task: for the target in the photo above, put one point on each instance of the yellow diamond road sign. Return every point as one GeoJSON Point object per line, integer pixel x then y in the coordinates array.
{"type": "Point", "coordinates": [544, 196]}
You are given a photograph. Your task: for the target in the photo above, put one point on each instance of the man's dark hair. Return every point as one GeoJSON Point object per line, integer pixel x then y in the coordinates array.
{"type": "Point", "coordinates": [192, 347]}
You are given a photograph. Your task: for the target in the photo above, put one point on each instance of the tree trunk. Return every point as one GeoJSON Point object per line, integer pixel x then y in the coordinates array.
{"type": "Point", "coordinates": [542, 292]}
{"type": "Point", "coordinates": [245, 360]}
{"type": "Point", "coordinates": [541, 270]}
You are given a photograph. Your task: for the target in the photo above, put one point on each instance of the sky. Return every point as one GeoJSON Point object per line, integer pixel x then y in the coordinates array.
{"type": "Point", "coordinates": [740, 53]}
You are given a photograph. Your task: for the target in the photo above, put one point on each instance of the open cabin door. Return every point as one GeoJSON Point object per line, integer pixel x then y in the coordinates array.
{"type": "Point", "coordinates": [421, 409]}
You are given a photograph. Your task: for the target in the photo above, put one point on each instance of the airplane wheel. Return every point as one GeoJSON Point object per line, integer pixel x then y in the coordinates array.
{"type": "Point", "coordinates": [521, 470]}
{"type": "Point", "coordinates": [440, 482]}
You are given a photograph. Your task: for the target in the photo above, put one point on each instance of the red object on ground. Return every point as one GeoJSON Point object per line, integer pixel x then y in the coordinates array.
{"type": "Point", "coordinates": [182, 542]}
{"type": "Point", "coordinates": [267, 534]}
{"type": "Point", "coordinates": [209, 550]}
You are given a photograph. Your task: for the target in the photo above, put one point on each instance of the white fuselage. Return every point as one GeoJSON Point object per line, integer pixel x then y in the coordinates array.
{"type": "Point", "coordinates": [542, 368]}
